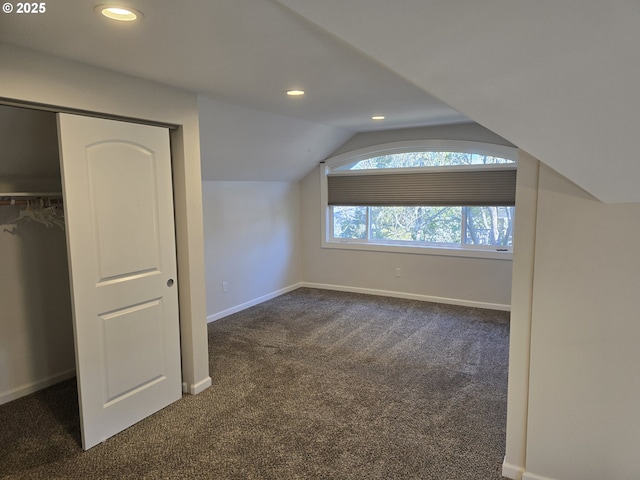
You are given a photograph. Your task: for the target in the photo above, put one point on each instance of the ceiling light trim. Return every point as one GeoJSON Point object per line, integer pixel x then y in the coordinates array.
{"type": "Point", "coordinates": [119, 13]}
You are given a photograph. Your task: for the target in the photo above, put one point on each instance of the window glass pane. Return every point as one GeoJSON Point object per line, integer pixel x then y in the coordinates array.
{"type": "Point", "coordinates": [350, 222]}
{"type": "Point", "coordinates": [477, 159]}
{"type": "Point", "coordinates": [489, 226]}
{"type": "Point", "coordinates": [419, 224]}
{"type": "Point", "coordinates": [426, 159]}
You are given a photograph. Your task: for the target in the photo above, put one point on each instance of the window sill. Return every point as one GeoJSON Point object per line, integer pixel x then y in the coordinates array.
{"type": "Point", "coordinates": [450, 251]}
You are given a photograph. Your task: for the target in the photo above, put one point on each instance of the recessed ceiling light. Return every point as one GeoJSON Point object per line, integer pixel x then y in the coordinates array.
{"type": "Point", "coordinates": [377, 117]}
{"type": "Point", "coordinates": [121, 14]}
{"type": "Point", "coordinates": [294, 93]}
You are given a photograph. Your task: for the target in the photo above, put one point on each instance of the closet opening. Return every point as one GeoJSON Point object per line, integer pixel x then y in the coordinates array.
{"type": "Point", "coordinates": [36, 330]}
{"type": "Point", "coordinates": [88, 288]}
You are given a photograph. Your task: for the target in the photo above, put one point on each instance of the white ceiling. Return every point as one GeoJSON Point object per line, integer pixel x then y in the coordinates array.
{"type": "Point", "coordinates": [243, 144]}
{"type": "Point", "coordinates": [558, 78]}
{"type": "Point", "coordinates": [244, 52]}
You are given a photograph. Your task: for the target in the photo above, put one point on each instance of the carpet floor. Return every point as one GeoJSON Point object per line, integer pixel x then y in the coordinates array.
{"type": "Point", "coordinates": [313, 384]}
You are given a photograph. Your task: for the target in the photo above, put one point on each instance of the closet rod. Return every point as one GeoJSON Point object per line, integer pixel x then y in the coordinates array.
{"type": "Point", "coordinates": [49, 202]}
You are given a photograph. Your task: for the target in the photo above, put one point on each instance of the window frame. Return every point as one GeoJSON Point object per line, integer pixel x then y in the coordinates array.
{"type": "Point", "coordinates": [338, 163]}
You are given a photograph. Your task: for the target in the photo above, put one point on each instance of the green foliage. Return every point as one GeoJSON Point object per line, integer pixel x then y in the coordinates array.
{"type": "Point", "coordinates": [350, 222]}
{"type": "Point", "coordinates": [489, 226]}
{"type": "Point", "coordinates": [417, 224]}
{"type": "Point", "coordinates": [426, 159]}
{"type": "Point", "coordinates": [440, 225]}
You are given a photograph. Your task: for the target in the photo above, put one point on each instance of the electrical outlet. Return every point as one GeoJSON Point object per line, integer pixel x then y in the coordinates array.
{"type": "Point", "coordinates": [398, 272]}
{"type": "Point", "coordinates": [225, 287]}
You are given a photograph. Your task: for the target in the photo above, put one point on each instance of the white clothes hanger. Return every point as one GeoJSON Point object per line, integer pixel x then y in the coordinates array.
{"type": "Point", "coordinates": [47, 216]}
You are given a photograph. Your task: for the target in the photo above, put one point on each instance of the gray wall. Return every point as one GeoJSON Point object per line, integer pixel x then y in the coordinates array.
{"type": "Point", "coordinates": [263, 238]}
{"type": "Point", "coordinates": [36, 335]}
{"type": "Point", "coordinates": [252, 242]}
{"type": "Point", "coordinates": [475, 281]}
{"type": "Point", "coordinates": [584, 391]}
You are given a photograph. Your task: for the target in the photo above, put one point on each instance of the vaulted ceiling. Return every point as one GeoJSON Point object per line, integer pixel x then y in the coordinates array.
{"type": "Point", "coordinates": [557, 78]}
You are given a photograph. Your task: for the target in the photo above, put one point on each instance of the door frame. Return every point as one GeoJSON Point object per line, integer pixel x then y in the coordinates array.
{"type": "Point", "coordinates": [187, 185]}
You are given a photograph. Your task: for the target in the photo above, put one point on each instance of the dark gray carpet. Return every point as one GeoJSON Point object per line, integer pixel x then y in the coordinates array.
{"type": "Point", "coordinates": [312, 384]}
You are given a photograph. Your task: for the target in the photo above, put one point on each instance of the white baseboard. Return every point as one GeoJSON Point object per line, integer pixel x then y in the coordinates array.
{"type": "Point", "coordinates": [514, 472]}
{"type": "Point", "coordinates": [252, 303]}
{"type": "Point", "coordinates": [15, 393]}
{"type": "Point", "coordinates": [409, 296]}
{"type": "Point", "coordinates": [196, 388]}
{"type": "Point", "coordinates": [532, 476]}
{"type": "Point", "coordinates": [366, 291]}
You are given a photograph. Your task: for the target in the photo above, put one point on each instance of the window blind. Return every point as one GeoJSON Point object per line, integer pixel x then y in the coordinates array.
{"type": "Point", "coordinates": [464, 187]}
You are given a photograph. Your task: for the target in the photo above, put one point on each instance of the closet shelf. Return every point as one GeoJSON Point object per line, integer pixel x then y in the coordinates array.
{"type": "Point", "coordinates": [31, 194]}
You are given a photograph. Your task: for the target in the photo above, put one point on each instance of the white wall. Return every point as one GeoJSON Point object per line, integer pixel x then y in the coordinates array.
{"type": "Point", "coordinates": [27, 76]}
{"type": "Point", "coordinates": [471, 281]}
{"type": "Point", "coordinates": [584, 390]}
{"type": "Point", "coordinates": [36, 335]}
{"type": "Point", "coordinates": [252, 242]}
{"type": "Point", "coordinates": [461, 280]}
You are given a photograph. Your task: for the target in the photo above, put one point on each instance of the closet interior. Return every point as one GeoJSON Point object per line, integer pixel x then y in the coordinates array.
{"type": "Point", "coordinates": [36, 329]}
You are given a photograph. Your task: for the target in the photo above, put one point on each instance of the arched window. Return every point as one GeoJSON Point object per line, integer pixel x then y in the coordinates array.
{"type": "Point", "coordinates": [458, 196]}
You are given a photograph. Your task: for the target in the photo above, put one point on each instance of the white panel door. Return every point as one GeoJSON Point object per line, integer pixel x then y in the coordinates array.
{"type": "Point", "coordinates": [121, 242]}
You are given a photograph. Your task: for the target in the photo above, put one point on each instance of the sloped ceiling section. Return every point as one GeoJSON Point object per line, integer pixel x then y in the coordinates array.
{"type": "Point", "coordinates": [244, 144]}
{"type": "Point", "coordinates": [560, 79]}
